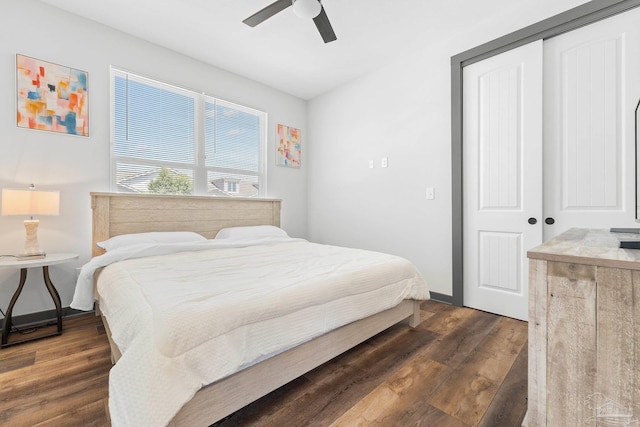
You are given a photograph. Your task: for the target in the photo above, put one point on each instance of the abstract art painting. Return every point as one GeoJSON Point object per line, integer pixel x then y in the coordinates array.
{"type": "Point", "coordinates": [289, 151]}
{"type": "Point", "coordinates": [51, 97]}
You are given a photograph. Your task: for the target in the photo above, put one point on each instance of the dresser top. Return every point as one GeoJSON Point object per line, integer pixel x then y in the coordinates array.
{"type": "Point", "coordinates": [591, 247]}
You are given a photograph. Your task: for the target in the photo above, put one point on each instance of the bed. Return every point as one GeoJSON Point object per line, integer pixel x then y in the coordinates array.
{"type": "Point", "coordinates": [123, 214]}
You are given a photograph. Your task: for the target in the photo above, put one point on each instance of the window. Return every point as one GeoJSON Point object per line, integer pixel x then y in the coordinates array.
{"type": "Point", "coordinates": [170, 140]}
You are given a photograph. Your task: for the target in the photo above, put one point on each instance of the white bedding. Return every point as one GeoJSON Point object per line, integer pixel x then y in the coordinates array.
{"type": "Point", "coordinates": [187, 319]}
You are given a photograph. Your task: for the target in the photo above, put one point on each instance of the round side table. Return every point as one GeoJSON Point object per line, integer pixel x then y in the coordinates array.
{"type": "Point", "coordinates": [24, 265]}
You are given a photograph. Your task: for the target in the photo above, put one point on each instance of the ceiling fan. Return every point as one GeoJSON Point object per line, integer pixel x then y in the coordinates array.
{"type": "Point", "coordinates": [302, 8]}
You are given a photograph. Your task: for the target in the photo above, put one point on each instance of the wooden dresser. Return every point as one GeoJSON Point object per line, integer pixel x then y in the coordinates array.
{"type": "Point", "coordinates": [584, 331]}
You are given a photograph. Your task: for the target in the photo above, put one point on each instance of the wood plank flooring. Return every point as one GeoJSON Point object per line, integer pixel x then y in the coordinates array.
{"type": "Point", "coordinates": [459, 367]}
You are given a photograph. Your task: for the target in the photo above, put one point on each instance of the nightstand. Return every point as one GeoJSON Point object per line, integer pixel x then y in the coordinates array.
{"type": "Point", "coordinates": [50, 259]}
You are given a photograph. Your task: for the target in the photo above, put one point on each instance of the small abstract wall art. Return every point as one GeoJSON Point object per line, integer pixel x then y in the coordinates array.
{"type": "Point", "coordinates": [51, 97]}
{"type": "Point", "coordinates": [289, 151]}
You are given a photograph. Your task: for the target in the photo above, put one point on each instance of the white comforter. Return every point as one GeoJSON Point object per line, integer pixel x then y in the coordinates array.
{"type": "Point", "coordinates": [190, 318]}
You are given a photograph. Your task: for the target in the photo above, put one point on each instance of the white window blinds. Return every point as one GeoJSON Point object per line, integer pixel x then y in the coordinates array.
{"type": "Point", "coordinates": [168, 139]}
{"type": "Point", "coordinates": [229, 131]}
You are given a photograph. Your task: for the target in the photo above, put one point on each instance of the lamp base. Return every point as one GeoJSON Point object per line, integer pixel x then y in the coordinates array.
{"type": "Point", "coordinates": [25, 257]}
{"type": "Point", "coordinates": [32, 249]}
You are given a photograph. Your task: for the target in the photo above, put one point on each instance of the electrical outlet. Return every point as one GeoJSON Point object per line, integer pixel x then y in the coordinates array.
{"type": "Point", "coordinates": [384, 163]}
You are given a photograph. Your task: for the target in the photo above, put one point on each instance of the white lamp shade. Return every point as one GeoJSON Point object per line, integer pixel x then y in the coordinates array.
{"type": "Point", "coordinates": [307, 8]}
{"type": "Point", "coordinates": [30, 202]}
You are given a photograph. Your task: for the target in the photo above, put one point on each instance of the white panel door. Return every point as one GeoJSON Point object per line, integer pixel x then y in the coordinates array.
{"type": "Point", "coordinates": [592, 86]}
{"type": "Point", "coordinates": [502, 183]}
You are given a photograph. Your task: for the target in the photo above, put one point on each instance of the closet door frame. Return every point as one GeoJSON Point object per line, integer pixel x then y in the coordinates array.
{"type": "Point", "coordinates": [577, 17]}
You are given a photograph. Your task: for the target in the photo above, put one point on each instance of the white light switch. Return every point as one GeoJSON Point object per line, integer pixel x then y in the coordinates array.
{"type": "Point", "coordinates": [383, 162]}
{"type": "Point", "coordinates": [370, 164]}
{"type": "Point", "coordinates": [431, 193]}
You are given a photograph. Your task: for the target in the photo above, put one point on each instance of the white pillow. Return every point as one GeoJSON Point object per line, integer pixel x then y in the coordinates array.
{"type": "Point", "coordinates": [124, 240]}
{"type": "Point", "coordinates": [253, 231]}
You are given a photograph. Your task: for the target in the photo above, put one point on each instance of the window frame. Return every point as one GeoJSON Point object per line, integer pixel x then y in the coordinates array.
{"type": "Point", "coordinates": [200, 170]}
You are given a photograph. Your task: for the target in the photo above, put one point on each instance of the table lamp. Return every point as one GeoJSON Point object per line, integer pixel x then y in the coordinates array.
{"type": "Point", "coordinates": [30, 202]}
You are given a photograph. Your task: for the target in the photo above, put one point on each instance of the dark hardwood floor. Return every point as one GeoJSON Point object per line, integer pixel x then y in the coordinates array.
{"type": "Point", "coordinates": [460, 367]}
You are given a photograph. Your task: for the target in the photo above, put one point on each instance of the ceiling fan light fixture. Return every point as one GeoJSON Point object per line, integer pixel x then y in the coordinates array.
{"type": "Point", "coordinates": [307, 8]}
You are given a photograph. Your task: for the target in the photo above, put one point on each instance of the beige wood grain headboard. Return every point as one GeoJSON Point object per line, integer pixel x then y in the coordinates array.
{"type": "Point", "coordinates": [121, 213]}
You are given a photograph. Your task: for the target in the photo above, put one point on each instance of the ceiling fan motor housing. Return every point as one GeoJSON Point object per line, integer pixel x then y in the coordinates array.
{"type": "Point", "coordinates": [308, 9]}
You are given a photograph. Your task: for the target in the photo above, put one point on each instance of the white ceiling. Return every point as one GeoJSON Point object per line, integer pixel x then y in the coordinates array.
{"type": "Point", "coordinates": [287, 52]}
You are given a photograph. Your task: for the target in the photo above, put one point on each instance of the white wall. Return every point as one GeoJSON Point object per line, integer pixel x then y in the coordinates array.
{"type": "Point", "coordinates": [77, 165]}
{"type": "Point", "coordinates": [402, 112]}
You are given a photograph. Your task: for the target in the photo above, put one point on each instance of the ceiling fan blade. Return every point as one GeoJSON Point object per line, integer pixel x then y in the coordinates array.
{"type": "Point", "coordinates": [267, 12]}
{"type": "Point", "coordinates": [324, 26]}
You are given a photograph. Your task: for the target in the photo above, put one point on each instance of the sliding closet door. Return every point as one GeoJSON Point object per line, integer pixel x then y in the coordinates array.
{"type": "Point", "coordinates": [592, 86]}
{"type": "Point", "coordinates": [502, 183]}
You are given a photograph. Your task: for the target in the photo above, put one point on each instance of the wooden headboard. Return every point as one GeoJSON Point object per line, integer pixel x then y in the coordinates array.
{"type": "Point", "coordinates": [122, 213]}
